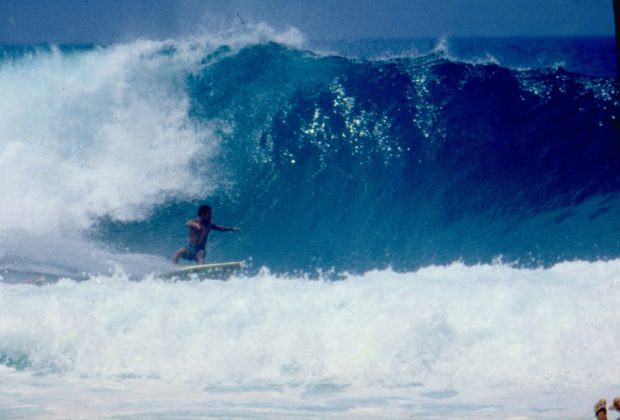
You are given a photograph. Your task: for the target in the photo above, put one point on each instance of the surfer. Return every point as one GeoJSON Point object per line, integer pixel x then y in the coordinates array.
{"type": "Point", "coordinates": [197, 236]}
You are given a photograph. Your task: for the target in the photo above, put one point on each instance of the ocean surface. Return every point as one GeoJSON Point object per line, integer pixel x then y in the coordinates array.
{"type": "Point", "coordinates": [430, 228]}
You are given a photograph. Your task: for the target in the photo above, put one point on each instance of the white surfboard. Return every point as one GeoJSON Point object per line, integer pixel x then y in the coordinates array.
{"type": "Point", "coordinates": [217, 271]}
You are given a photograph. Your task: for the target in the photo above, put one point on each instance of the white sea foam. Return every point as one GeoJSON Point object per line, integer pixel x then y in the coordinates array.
{"type": "Point", "coordinates": [25, 256]}
{"type": "Point", "coordinates": [105, 132]}
{"type": "Point", "coordinates": [446, 335]}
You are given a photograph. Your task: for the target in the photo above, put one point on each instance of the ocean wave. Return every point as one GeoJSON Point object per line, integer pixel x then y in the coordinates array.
{"type": "Point", "coordinates": [324, 161]}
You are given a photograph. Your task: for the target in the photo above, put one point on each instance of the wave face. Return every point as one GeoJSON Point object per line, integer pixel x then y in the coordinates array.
{"type": "Point", "coordinates": [324, 161]}
{"type": "Point", "coordinates": [359, 164]}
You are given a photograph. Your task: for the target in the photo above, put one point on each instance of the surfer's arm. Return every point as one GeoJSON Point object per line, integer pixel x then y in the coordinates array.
{"type": "Point", "coordinates": [224, 228]}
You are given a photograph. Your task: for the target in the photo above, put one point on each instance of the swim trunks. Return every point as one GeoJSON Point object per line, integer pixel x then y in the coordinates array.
{"type": "Point", "coordinates": [192, 252]}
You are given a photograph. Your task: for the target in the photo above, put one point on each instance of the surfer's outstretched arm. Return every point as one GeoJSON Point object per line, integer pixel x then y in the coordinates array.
{"type": "Point", "coordinates": [224, 228]}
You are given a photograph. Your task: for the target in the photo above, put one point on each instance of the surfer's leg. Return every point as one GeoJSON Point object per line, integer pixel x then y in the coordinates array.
{"type": "Point", "coordinates": [182, 252]}
{"type": "Point", "coordinates": [200, 257]}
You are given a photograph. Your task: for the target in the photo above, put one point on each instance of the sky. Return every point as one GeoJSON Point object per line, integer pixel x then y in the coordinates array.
{"type": "Point", "coordinates": [110, 21]}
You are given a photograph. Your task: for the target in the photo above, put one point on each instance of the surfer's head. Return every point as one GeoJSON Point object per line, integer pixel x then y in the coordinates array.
{"type": "Point", "coordinates": [204, 212]}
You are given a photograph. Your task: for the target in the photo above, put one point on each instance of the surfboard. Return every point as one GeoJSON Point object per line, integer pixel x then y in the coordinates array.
{"type": "Point", "coordinates": [217, 271]}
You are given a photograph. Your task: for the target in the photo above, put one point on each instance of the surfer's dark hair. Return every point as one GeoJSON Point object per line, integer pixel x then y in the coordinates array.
{"type": "Point", "coordinates": [203, 210]}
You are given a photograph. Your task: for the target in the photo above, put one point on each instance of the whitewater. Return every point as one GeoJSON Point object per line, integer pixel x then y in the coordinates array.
{"type": "Point", "coordinates": [429, 230]}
